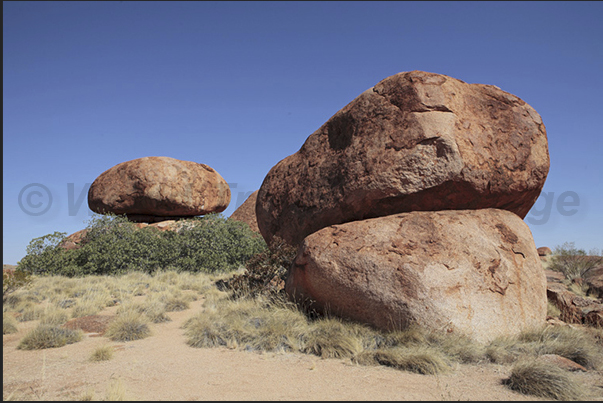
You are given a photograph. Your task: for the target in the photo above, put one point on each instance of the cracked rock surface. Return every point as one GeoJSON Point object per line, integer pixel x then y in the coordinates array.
{"type": "Point", "coordinates": [476, 272]}
{"type": "Point", "coordinates": [416, 141]}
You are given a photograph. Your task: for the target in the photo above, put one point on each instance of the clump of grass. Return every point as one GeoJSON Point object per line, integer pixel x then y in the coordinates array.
{"type": "Point", "coordinates": [552, 310]}
{"type": "Point", "coordinates": [102, 353]}
{"type": "Point", "coordinates": [29, 311]}
{"type": "Point", "coordinates": [116, 391]}
{"type": "Point", "coordinates": [331, 338]}
{"type": "Point", "coordinates": [49, 336]}
{"type": "Point", "coordinates": [85, 307]}
{"type": "Point", "coordinates": [54, 315]}
{"type": "Point", "coordinates": [543, 380]}
{"type": "Point", "coordinates": [127, 326]}
{"type": "Point", "coordinates": [578, 345]}
{"type": "Point", "coordinates": [247, 324]}
{"type": "Point", "coordinates": [457, 347]}
{"type": "Point", "coordinates": [9, 324]}
{"type": "Point", "coordinates": [420, 359]}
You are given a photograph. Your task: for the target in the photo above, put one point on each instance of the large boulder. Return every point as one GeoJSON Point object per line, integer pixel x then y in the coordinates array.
{"type": "Point", "coordinates": [471, 271]}
{"type": "Point", "coordinates": [151, 187]}
{"type": "Point", "coordinates": [246, 212]}
{"type": "Point", "coordinates": [414, 141]}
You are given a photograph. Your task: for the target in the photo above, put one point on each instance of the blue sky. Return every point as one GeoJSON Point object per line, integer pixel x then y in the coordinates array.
{"type": "Point", "coordinates": [240, 85]}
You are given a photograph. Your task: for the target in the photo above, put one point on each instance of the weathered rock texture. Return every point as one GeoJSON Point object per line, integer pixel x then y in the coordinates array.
{"type": "Point", "coordinates": [246, 212]}
{"type": "Point", "coordinates": [159, 187]}
{"type": "Point", "coordinates": [414, 141]}
{"type": "Point", "coordinates": [574, 308]}
{"type": "Point", "coordinates": [475, 272]}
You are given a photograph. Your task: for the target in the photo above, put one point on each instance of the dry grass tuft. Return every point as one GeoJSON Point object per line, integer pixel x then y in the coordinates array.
{"type": "Point", "coordinates": [127, 326]}
{"type": "Point", "coordinates": [102, 353]}
{"type": "Point", "coordinates": [9, 324]}
{"type": "Point", "coordinates": [49, 336]}
{"type": "Point", "coordinates": [543, 380]}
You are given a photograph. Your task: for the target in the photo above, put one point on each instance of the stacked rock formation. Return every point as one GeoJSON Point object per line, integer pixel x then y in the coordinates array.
{"type": "Point", "coordinates": [153, 189]}
{"type": "Point", "coordinates": [407, 208]}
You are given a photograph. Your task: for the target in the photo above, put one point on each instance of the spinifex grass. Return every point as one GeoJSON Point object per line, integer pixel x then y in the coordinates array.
{"type": "Point", "coordinates": [544, 380]}
{"type": "Point", "coordinates": [49, 336]}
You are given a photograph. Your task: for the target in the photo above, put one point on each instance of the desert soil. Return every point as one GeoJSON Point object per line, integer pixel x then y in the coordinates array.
{"type": "Point", "coordinates": [164, 367]}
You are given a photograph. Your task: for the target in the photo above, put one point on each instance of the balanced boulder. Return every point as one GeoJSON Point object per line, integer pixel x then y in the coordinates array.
{"type": "Point", "coordinates": [151, 187]}
{"type": "Point", "coordinates": [475, 272]}
{"type": "Point", "coordinates": [416, 141]}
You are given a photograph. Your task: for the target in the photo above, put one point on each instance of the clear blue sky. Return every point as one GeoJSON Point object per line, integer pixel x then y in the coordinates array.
{"type": "Point", "coordinates": [241, 85]}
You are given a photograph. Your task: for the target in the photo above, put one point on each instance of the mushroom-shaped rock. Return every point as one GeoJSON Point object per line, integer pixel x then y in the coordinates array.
{"type": "Point", "coordinates": [414, 141]}
{"type": "Point", "coordinates": [159, 187]}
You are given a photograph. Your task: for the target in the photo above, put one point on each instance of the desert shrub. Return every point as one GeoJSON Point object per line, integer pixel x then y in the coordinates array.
{"type": "Point", "coordinates": [264, 273]}
{"type": "Point", "coordinates": [127, 326]}
{"type": "Point", "coordinates": [9, 324]}
{"type": "Point", "coordinates": [102, 353]}
{"type": "Point", "coordinates": [213, 243]}
{"type": "Point", "coordinates": [13, 280]}
{"type": "Point", "coordinates": [572, 262]}
{"type": "Point", "coordinates": [113, 245]}
{"type": "Point", "coordinates": [49, 336]}
{"type": "Point", "coordinates": [543, 380]}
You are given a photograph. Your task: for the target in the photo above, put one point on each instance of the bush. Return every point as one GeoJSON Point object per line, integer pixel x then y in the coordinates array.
{"type": "Point", "coordinates": [572, 262]}
{"type": "Point", "coordinates": [264, 273]}
{"type": "Point", "coordinates": [113, 245]}
{"type": "Point", "coordinates": [49, 336]}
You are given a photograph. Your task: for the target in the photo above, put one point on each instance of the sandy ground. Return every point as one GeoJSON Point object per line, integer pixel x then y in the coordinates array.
{"type": "Point", "coordinates": [163, 367]}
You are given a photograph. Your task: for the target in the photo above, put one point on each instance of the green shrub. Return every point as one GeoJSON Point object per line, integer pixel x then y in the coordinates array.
{"type": "Point", "coordinates": [543, 380]}
{"type": "Point", "coordinates": [113, 245]}
{"type": "Point", "coordinates": [49, 336]}
{"type": "Point", "coordinates": [572, 262]}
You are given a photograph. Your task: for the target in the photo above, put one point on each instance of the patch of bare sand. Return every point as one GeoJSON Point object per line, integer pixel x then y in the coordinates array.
{"type": "Point", "coordinates": [164, 367]}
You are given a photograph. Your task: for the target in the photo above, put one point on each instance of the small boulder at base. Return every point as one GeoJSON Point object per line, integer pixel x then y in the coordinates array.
{"type": "Point", "coordinates": [416, 141]}
{"type": "Point", "coordinates": [159, 186]}
{"type": "Point", "coordinates": [475, 272]}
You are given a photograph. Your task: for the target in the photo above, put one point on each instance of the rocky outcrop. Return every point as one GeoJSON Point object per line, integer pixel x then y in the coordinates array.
{"type": "Point", "coordinates": [416, 141]}
{"type": "Point", "coordinates": [574, 308]}
{"type": "Point", "coordinates": [246, 212]}
{"type": "Point", "coordinates": [151, 187]}
{"type": "Point", "coordinates": [473, 271]}
{"type": "Point", "coordinates": [544, 251]}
